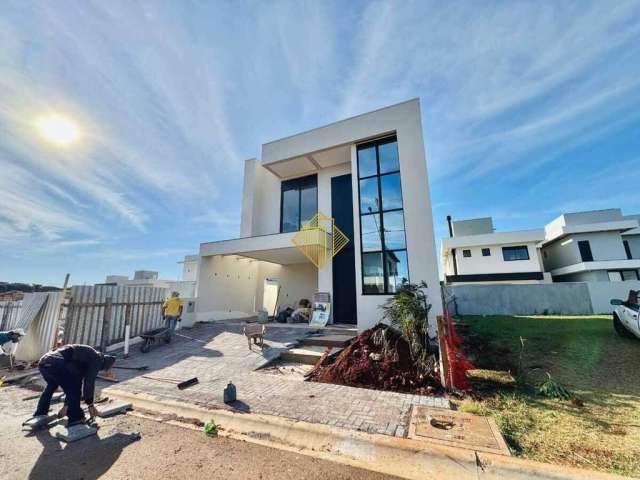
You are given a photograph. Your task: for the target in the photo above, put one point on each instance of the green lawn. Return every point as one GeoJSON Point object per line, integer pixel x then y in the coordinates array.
{"type": "Point", "coordinates": [585, 355]}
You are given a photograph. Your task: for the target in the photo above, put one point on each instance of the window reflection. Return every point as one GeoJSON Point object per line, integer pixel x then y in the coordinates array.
{"type": "Point", "coordinates": [370, 230]}
{"type": "Point", "coordinates": [367, 162]}
{"type": "Point", "coordinates": [369, 201]}
{"type": "Point", "coordinates": [388, 155]}
{"type": "Point", "coordinates": [394, 230]}
{"type": "Point", "coordinates": [391, 191]}
{"type": "Point", "coordinates": [397, 269]}
{"type": "Point", "coordinates": [372, 273]}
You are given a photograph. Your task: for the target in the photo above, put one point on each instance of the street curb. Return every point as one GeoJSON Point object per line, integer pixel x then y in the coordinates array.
{"type": "Point", "coordinates": [402, 457]}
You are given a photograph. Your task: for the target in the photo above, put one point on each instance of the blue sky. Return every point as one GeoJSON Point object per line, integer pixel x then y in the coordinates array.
{"type": "Point", "coordinates": [529, 109]}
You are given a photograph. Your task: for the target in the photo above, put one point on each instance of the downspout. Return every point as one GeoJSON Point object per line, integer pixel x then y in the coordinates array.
{"type": "Point", "coordinates": [453, 250]}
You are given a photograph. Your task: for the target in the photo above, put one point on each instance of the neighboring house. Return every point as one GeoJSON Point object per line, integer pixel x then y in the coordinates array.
{"type": "Point", "coordinates": [370, 175]}
{"type": "Point", "coordinates": [600, 245]}
{"type": "Point", "coordinates": [474, 254]}
{"type": "Point", "coordinates": [147, 278]}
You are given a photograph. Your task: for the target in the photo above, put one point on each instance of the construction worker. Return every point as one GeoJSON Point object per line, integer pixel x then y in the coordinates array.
{"type": "Point", "coordinates": [12, 336]}
{"type": "Point", "coordinates": [172, 310]}
{"type": "Point", "coordinates": [72, 368]}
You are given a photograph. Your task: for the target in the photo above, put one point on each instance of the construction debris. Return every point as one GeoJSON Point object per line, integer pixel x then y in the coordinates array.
{"type": "Point", "coordinates": [370, 364]}
{"type": "Point", "coordinates": [73, 433]}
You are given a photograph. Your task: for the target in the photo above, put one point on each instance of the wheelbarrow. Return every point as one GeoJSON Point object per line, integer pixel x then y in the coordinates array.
{"type": "Point", "coordinates": [150, 338]}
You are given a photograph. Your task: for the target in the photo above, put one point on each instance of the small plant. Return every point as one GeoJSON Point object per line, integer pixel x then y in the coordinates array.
{"type": "Point", "coordinates": [408, 312]}
{"type": "Point", "coordinates": [211, 429]}
{"type": "Point", "coordinates": [552, 389]}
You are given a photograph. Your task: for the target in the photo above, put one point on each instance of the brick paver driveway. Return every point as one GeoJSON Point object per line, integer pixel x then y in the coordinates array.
{"type": "Point", "coordinates": [218, 353]}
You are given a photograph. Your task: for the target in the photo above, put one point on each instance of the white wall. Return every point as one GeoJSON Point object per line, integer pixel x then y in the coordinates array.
{"type": "Point", "coordinates": [495, 263]}
{"type": "Point", "coordinates": [560, 253]}
{"type": "Point", "coordinates": [634, 244]}
{"type": "Point", "coordinates": [226, 287]}
{"type": "Point", "coordinates": [266, 203]}
{"type": "Point", "coordinates": [296, 281]}
{"type": "Point", "coordinates": [604, 245]}
{"type": "Point", "coordinates": [602, 293]}
{"type": "Point", "coordinates": [232, 287]}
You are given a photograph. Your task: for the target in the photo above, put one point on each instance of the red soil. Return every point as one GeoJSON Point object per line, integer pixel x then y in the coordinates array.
{"type": "Point", "coordinates": [354, 366]}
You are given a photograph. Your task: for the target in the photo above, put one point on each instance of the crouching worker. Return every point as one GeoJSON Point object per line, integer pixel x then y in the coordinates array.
{"type": "Point", "coordinates": [172, 311]}
{"type": "Point", "coordinates": [73, 368]}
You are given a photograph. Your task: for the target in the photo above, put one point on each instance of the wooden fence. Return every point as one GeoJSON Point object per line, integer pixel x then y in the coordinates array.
{"type": "Point", "coordinates": [97, 315]}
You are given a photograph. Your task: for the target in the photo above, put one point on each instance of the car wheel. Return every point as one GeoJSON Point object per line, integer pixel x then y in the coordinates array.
{"type": "Point", "coordinates": [620, 328]}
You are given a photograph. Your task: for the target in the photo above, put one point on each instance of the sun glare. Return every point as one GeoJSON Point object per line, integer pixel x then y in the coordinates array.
{"type": "Point", "coordinates": [58, 129]}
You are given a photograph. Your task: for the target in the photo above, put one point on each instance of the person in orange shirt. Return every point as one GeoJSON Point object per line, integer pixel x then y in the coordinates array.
{"type": "Point", "coordinates": [172, 310]}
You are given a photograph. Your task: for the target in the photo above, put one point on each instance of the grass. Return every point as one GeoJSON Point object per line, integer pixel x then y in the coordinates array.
{"type": "Point", "coordinates": [584, 355]}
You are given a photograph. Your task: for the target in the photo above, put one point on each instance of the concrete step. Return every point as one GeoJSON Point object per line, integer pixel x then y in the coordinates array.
{"type": "Point", "coordinates": [308, 355]}
{"type": "Point", "coordinates": [327, 340]}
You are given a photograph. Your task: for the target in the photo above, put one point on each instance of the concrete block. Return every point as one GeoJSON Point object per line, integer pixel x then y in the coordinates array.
{"type": "Point", "coordinates": [73, 433]}
{"type": "Point", "coordinates": [39, 422]}
{"type": "Point", "coordinates": [113, 409]}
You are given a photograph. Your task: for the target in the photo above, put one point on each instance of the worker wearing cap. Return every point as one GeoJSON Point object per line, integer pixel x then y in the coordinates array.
{"type": "Point", "coordinates": [74, 368]}
{"type": "Point", "coordinates": [172, 310]}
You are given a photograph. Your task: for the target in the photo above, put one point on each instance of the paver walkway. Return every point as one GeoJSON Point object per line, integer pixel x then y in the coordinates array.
{"type": "Point", "coordinates": [217, 353]}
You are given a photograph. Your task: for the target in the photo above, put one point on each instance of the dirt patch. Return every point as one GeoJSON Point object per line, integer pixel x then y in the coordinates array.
{"type": "Point", "coordinates": [365, 363]}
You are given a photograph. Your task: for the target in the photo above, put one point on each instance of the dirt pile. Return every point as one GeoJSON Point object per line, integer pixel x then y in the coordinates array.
{"type": "Point", "coordinates": [364, 363]}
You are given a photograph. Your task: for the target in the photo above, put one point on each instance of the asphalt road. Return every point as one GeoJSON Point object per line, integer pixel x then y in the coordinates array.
{"type": "Point", "coordinates": [163, 451]}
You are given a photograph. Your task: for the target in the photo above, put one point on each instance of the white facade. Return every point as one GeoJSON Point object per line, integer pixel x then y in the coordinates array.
{"type": "Point", "coordinates": [601, 245]}
{"type": "Point", "coordinates": [476, 254]}
{"type": "Point", "coordinates": [590, 246]}
{"type": "Point", "coordinates": [231, 273]}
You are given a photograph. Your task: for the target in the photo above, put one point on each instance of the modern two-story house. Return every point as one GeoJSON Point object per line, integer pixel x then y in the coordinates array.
{"type": "Point", "coordinates": [592, 246]}
{"type": "Point", "coordinates": [342, 209]}
{"type": "Point", "coordinates": [474, 254]}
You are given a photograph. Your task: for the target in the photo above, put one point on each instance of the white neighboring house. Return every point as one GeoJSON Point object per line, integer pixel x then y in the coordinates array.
{"type": "Point", "coordinates": [475, 254]}
{"type": "Point", "coordinates": [148, 278]}
{"type": "Point", "coordinates": [369, 174]}
{"type": "Point", "coordinates": [600, 245]}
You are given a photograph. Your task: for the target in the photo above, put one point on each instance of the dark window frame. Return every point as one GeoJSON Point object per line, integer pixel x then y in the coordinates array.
{"type": "Point", "coordinates": [380, 212]}
{"type": "Point", "coordinates": [466, 253]}
{"type": "Point", "coordinates": [637, 272]}
{"type": "Point", "coordinates": [486, 252]}
{"type": "Point", "coordinates": [586, 254]}
{"type": "Point", "coordinates": [513, 249]}
{"type": "Point", "coordinates": [299, 184]}
{"type": "Point", "coordinates": [627, 249]}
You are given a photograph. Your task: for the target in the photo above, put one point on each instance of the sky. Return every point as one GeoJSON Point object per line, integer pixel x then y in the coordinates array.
{"type": "Point", "coordinates": [529, 109]}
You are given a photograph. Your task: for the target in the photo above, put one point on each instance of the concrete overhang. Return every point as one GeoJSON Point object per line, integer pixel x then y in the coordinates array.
{"type": "Point", "coordinates": [277, 248]}
{"type": "Point", "coordinates": [310, 163]}
{"type": "Point", "coordinates": [501, 238]}
{"type": "Point", "coordinates": [598, 265]}
{"type": "Point", "coordinates": [620, 226]}
{"type": "Point", "coordinates": [633, 231]}
{"type": "Point", "coordinates": [303, 153]}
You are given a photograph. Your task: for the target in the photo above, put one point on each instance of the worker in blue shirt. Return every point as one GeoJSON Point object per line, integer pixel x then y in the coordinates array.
{"type": "Point", "coordinates": [74, 368]}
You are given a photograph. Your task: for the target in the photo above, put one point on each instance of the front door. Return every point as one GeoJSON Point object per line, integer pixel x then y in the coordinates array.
{"type": "Point", "coordinates": [344, 263]}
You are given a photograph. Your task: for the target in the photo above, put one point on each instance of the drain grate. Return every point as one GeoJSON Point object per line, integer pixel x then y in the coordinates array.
{"type": "Point", "coordinates": [456, 429]}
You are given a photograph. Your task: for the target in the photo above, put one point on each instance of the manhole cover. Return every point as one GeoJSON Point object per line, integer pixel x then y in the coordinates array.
{"type": "Point", "coordinates": [457, 429]}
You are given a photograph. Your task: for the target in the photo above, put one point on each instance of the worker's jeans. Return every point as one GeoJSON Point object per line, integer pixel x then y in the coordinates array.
{"type": "Point", "coordinates": [172, 322]}
{"type": "Point", "coordinates": [56, 373]}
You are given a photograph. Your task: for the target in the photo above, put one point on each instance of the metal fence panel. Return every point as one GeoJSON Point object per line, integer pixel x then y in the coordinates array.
{"type": "Point", "coordinates": [86, 312]}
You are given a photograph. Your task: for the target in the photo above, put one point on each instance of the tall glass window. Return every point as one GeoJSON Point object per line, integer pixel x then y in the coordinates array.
{"type": "Point", "coordinates": [382, 232]}
{"type": "Point", "coordinates": [299, 202]}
